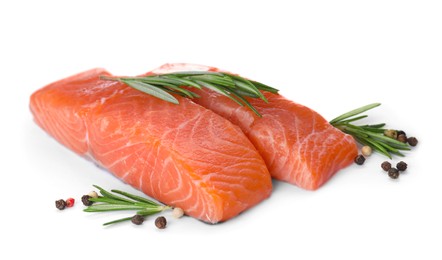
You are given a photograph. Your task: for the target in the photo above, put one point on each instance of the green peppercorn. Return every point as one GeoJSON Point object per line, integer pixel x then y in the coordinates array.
{"type": "Point", "coordinates": [161, 222]}
{"type": "Point", "coordinates": [386, 166]}
{"type": "Point", "coordinates": [86, 201]}
{"type": "Point", "coordinates": [360, 159]}
{"type": "Point", "coordinates": [393, 173]}
{"type": "Point", "coordinates": [401, 166]}
{"type": "Point", "coordinates": [412, 141]}
{"type": "Point", "coordinates": [391, 133]}
{"type": "Point", "coordinates": [60, 204]}
{"type": "Point", "coordinates": [137, 219]}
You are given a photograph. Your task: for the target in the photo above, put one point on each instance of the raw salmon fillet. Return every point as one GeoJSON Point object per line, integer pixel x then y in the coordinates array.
{"type": "Point", "coordinates": [182, 155]}
{"type": "Point", "coordinates": [298, 145]}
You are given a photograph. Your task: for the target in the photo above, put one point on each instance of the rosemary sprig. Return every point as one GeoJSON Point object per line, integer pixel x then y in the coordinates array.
{"type": "Point", "coordinates": [112, 201]}
{"type": "Point", "coordinates": [371, 135]}
{"type": "Point", "coordinates": [232, 86]}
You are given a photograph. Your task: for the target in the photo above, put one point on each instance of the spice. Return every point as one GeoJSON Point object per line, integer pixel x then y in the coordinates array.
{"type": "Point", "coordinates": [115, 200]}
{"type": "Point", "coordinates": [137, 219]}
{"type": "Point", "coordinates": [366, 150]}
{"type": "Point", "coordinates": [93, 194]}
{"type": "Point", "coordinates": [400, 132]}
{"type": "Point", "coordinates": [401, 166]}
{"type": "Point", "coordinates": [391, 133]}
{"type": "Point", "coordinates": [386, 166]}
{"type": "Point", "coordinates": [86, 201]}
{"type": "Point", "coordinates": [221, 82]}
{"type": "Point", "coordinates": [161, 222]}
{"type": "Point", "coordinates": [412, 141]}
{"type": "Point", "coordinates": [402, 138]}
{"type": "Point", "coordinates": [393, 173]}
{"type": "Point", "coordinates": [70, 202]}
{"type": "Point", "coordinates": [177, 212]}
{"type": "Point", "coordinates": [60, 204]}
{"type": "Point", "coordinates": [360, 159]}
{"type": "Point", "coordinates": [371, 134]}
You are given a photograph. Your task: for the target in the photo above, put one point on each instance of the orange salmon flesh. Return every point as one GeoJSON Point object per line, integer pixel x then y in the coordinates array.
{"type": "Point", "coordinates": [182, 155]}
{"type": "Point", "coordinates": [298, 145]}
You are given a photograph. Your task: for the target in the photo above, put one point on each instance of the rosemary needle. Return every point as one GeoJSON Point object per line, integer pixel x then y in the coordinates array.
{"type": "Point", "coordinates": [117, 200]}
{"type": "Point", "coordinates": [371, 135]}
{"type": "Point", "coordinates": [232, 86]}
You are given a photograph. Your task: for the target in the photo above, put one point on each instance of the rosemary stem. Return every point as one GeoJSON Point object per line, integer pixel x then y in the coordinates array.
{"type": "Point", "coordinates": [234, 87]}
{"type": "Point", "coordinates": [103, 77]}
{"type": "Point", "coordinates": [371, 135]}
{"type": "Point", "coordinates": [116, 200]}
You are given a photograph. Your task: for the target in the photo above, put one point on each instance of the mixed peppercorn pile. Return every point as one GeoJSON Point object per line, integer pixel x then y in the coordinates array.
{"type": "Point", "coordinates": [393, 172]}
{"type": "Point", "coordinates": [137, 219]}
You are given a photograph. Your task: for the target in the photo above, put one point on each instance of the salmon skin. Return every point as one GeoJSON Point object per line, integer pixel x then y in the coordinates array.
{"type": "Point", "coordinates": [182, 155]}
{"type": "Point", "coordinates": [298, 145]}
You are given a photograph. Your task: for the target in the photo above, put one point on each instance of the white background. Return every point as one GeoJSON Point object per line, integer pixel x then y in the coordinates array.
{"type": "Point", "coordinates": [332, 56]}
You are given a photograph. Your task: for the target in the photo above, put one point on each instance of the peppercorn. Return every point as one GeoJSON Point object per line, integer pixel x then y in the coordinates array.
{"type": "Point", "coordinates": [86, 201]}
{"type": "Point", "coordinates": [93, 194]}
{"type": "Point", "coordinates": [177, 212]}
{"type": "Point", "coordinates": [360, 159]}
{"type": "Point", "coordinates": [366, 150]}
{"type": "Point", "coordinates": [401, 166]}
{"type": "Point", "coordinates": [137, 219]}
{"type": "Point", "coordinates": [70, 202]}
{"type": "Point", "coordinates": [400, 132]}
{"type": "Point", "coordinates": [412, 141]}
{"type": "Point", "coordinates": [391, 133]}
{"type": "Point", "coordinates": [386, 166]}
{"type": "Point", "coordinates": [60, 204]}
{"type": "Point", "coordinates": [161, 222]}
{"type": "Point", "coordinates": [393, 173]}
{"type": "Point", "coordinates": [402, 138]}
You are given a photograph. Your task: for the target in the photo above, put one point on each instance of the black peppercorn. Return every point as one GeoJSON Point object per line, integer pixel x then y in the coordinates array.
{"type": "Point", "coordinates": [86, 201]}
{"type": "Point", "coordinates": [137, 219]}
{"type": "Point", "coordinates": [412, 141]}
{"type": "Point", "coordinates": [402, 138]}
{"type": "Point", "coordinates": [400, 132]}
{"type": "Point", "coordinates": [161, 222]}
{"type": "Point", "coordinates": [401, 166]}
{"type": "Point", "coordinates": [393, 173]}
{"type": "Point", "coordinates": [360, 159]}
{"type": "Point", "coordinates": [386, 166]}
{"type": "Point", "coordinates": [60, 204]}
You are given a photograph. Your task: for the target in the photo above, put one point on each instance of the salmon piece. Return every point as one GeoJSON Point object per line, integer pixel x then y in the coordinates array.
{"type": "Point", "coordinates": [298, 145]}
{"type": "Point", "coordinates": [182, 155]}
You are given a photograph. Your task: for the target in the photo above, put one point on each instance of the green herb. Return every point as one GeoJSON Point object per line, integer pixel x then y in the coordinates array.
{"type": "Point", "coordinates": [232, 86]}
{"type": "Point", "coordinates": [112, 201]}
{"type": "Point", "coordinates": [371, 135]}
